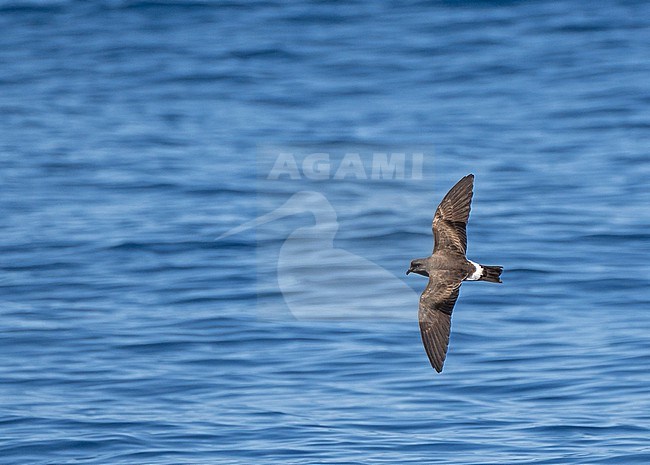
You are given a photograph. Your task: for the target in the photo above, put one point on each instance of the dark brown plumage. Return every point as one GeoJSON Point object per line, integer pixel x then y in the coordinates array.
{"type": "Point", "coordinates": [446, 269]}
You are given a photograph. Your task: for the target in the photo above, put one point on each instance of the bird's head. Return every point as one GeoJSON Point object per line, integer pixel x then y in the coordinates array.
{"type": "Point", "coordinates": [418, 266]}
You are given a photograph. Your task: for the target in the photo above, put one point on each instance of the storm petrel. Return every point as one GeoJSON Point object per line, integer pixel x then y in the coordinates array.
{"type": "Point", "coordinates": [446, 269]}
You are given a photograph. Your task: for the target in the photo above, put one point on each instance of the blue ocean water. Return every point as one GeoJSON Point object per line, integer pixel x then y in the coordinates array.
{"type": "Point", "coordinates": [135, 133]}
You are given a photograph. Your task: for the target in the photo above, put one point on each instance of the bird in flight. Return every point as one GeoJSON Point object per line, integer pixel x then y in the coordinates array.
{"type": "Point", "coordinates": [446, 269]}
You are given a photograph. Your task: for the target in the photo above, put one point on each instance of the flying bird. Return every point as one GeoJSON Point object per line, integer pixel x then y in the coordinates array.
{"type": "Point", "coordinates": [446, 269]}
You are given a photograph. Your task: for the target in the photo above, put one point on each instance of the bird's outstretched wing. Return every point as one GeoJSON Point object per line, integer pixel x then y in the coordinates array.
{"type": "Point", "coordinates": [450, 220]}
{"type": "Point", "coordinates": [436, 304]}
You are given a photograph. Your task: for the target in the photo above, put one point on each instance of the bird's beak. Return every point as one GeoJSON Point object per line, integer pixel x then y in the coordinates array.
{"type": "Point", "coordinates": [289, 208]}
{"type": "Point", "coordinates": [408, 271]}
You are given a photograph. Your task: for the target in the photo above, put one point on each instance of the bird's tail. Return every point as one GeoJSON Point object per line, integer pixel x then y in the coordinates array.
{"type": "Point", "coordinates": [491, 274]}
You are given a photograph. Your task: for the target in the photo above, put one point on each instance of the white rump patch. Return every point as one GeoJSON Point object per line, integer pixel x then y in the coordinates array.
{"type": "Point", "coordinates": [477, 274]}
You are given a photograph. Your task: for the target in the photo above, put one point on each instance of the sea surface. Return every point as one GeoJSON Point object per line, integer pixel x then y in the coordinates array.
{"type": "Point", "coordinates": [207, 209]}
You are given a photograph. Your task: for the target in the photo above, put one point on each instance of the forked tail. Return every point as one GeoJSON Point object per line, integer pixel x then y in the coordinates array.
{"type": "Point", "coordinates": [491, 274]}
